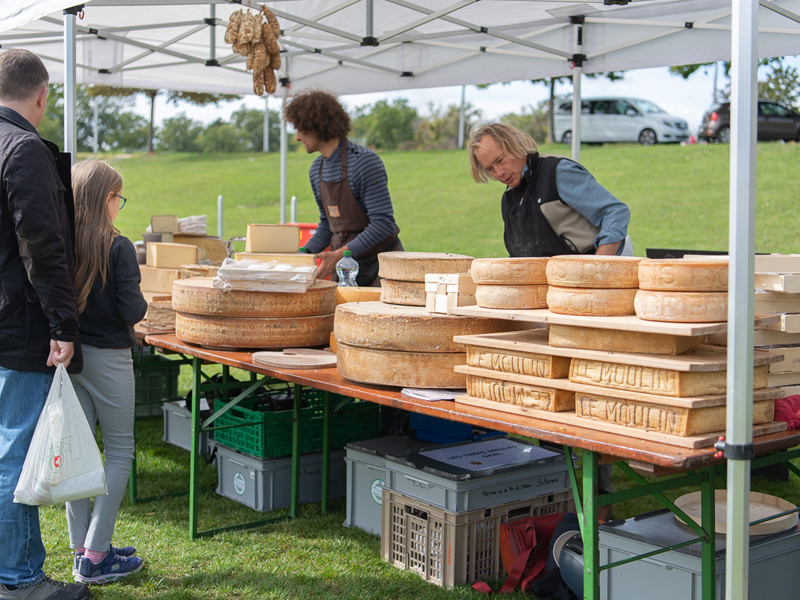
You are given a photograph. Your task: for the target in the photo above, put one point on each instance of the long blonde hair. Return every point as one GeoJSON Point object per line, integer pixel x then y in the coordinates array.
{"type": "Point", "coordinates": [513, 142]}
{"type": "Point", "coordinates": [92, 180]}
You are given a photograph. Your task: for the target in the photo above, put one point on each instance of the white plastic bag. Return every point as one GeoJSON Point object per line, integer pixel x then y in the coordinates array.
{"type": "Point", "coordinates": [63, 462]}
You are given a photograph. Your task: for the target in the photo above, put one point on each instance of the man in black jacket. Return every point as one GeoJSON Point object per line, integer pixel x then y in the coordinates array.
{"type": "Point", "coordinates": [38, 314]}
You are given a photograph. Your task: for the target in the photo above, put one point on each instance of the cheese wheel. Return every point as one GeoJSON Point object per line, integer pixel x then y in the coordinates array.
{"type": "Point", "coordinates": [600, 272]}
{"type": "Point", "coordinates": [585, 301]}
{"type": "Point", "coordinates": [682, 307]}
{"type": "Point", "coordinates": [511, 296]}
{"type": "Point", "coordinates": [232, 332]}
{"type": "Point", "coordinates": [402, 369]}
{"type": "Point", "coordinates": [679, 275]}
{"type": "Point", "coordinates": [509, 271]}
{"type": "Point", "coordinates": [409, 293]}
{"type": "Point", "coordinates": [407, 328]}
{"type": "Point", "coordinates": [199, 297]}
{"type": "Point", "coordinates": [413, 266]}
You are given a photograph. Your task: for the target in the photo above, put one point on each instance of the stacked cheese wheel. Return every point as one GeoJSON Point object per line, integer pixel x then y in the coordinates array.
{"type": "Point", "coordinates": [209, 317]}
{"type": "Point", "coordinates": [683, 290]}
{"type": "Point", "coordinates": [592, 285]}
{"type": "Point", "coordinates": [403, 274]}
{"type": "Point", "coordinates": [510, 283]}
{"type": "Point", "coordinates": [404, 346]}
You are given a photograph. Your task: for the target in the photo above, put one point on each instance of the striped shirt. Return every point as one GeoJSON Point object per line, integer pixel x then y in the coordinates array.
{"type": "Point", "coordinates": [369, 184]}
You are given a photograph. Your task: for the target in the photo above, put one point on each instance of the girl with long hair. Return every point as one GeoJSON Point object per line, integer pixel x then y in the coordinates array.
{"type": "Point", "coordinates": [110, 303]}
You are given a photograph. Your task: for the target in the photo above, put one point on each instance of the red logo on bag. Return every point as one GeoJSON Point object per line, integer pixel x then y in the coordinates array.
{"type": "Point", "coordinates": [57, 461]}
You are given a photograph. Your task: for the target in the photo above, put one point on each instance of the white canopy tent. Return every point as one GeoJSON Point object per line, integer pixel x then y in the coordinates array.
{"type": "Point", "coordinates": [352, 46]}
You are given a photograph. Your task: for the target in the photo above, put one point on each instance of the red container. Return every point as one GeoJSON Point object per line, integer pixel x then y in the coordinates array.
{"type": "Point", "coordinates": [306, 231]}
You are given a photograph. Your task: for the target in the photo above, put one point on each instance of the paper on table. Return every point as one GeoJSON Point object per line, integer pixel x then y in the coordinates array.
{"type": "Point", "coordinates": [431, 395]}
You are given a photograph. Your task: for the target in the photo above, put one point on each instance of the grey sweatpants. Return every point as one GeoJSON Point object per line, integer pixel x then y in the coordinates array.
{"type": "Point", "coordinates": [106, 392]}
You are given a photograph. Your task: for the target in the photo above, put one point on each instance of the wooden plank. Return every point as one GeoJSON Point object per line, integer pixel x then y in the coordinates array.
{"type": "Point", "coordinates": [764, 337]}
{"type": "Point", "coordinates": [790, 390]}
{"type": "Point", "coordinates": [777, 263]}
{"type": "Point", "coordinates": [700, 441]}
{"type": "Point", "coordinates": [778, 282]}
{"type": "Point", "coordinates": [781, 380]}
{"type": "Point", "coordinates": [566, 384]}
{"type": "Point", "coordinates": [776, 302]}
{"type": "Point", "coordinates": [790, 362]}
{"type": "Point", "coordinates": [789, 323]}
{"type": "Point", "coordinates": [703, 358]}
{"type": "Point", "coordinates": [627, 323]}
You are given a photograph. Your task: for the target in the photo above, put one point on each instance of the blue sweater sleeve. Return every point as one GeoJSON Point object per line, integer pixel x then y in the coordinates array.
{"type": "Point", "coordinates": [579, 189]}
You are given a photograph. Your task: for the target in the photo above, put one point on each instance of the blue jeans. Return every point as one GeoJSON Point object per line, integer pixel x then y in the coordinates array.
{"type": "Point", "coordinates": [22, 553]}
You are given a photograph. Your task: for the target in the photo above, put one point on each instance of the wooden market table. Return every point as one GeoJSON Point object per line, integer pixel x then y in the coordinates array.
{"type": "Point", "coordinates": [633, 456]}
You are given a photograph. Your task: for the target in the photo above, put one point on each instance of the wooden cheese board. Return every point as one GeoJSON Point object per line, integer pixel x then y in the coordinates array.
{"type": "Point", "coordinates": [570, 419]}
{"type": "Point", "coordinates": [296, 358]}
{"type": "Point", "coordinates": [625, 323]}
{"type": "Point", "coordinates": [705, 357]}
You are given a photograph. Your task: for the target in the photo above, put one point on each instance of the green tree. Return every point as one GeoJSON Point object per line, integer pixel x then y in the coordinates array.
{"type": "Point", "coordinates": [533, 120]}
{"type": "Point", "coordinates": [439, 131]}
{"type": "Point", "coordinates": [385, 125]}
{"type": "Point", "coordinates": [179, 134]}
{"type": "Point", "coordinates": [250, 123]}
{"type": "Point", "coordinates": [221, 137]}
{"type": "Point", "coordinates": [52, 126]}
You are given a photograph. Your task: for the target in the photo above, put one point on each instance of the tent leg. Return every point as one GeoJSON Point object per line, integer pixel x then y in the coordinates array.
{"type": "Point", "coordinates": [70, 77]}
{"type": "Point", "coordinates": [577, 49]}
{"type": "Point", "coordinates": [284, 151]}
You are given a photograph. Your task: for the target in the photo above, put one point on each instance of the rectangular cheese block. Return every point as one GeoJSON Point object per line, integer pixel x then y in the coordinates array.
{"type": "Point", "coordinates": [272, 238]}
{"type": "Point", "coordinates": [164, 224]}
{"type": "Point", "coordinates": [520, 363]}
{"type": "Point", "coordinates": [296, 258]}
{"type": "Point", "coordinates": [160, 314]}
{"type": "Point", "coordinates": [611, 340]}
{"type": "Point", "coordinates": [170, 256]}
{"type": "Point", "coordinates": [158, 280]}
{"type": "Point", "coordinates": [778, 282]}
{"type": "Point", "coordinates": [652, 380]}
{"type": "Point", "coordinates": [662, 418]}
{"type": "Point", "coordinates": [157, 237]}
{"type": "Point", "coordinates": [155, 296]}
{"type": "Point", "coordinates": [790, 363]}
{"type": "Point", "coordinates": [216, 250]}
{"type": "Point", "coordinates": [518, 394]}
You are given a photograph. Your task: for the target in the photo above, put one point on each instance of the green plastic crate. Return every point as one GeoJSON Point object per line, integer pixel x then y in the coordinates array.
{"type": "Point", "coordinates": [156, 378]}
{"type": "Point", "coordinates": [356, 420]}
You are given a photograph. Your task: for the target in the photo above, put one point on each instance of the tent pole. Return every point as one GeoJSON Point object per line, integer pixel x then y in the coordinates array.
{"type": "Point", "coordinates": [266, 124]}
{"type": "Point", "coordinates": [741, 246]}
{"type": "Point", "coordinates": [370, 18]}
{"type": "Point", "coordinates": [212, 38]}
{"type": "Point", "coordinates": [577, 61]}
{"type": "Point", "coordinates": [461, 118]}
{"type": "Point", "coordinates": [70, 93]}
{"type": "Point", "coordinates": [284, 141]}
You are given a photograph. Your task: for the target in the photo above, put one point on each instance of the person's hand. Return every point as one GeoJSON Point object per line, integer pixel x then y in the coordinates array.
{"type": "Point", "coordinates": [608, 249]}
{"type": "Point", "coordinates": [60, 353]}
{"type": "Point", "coordinates": [328, 262]}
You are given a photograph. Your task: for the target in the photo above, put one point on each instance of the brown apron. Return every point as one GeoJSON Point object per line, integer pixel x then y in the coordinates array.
{"type": "Point", "coordinates": [347, 220]}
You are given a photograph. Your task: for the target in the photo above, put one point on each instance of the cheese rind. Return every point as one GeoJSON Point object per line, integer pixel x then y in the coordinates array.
{"type": "Point", "coordinates": [158, 280]}
{"type": "Point", "coordinates": [653, 380]}
{"type": "Point", "coordinates": [511, 297]}
{"type": "Point", "coordinates": [519, 394]}
{"type": "Point", "coordinates": [613, 340]}
{"type": "Point", "coordinates": [519, 363]}
{"type": "Point", "coordinates": [600, 272]}
{"type": "Point", "coordinates": [232, 332]}
{"type": "Point", "coordinates": [682, 307]}
{"type": "Point", "coordinates": [199, 296]}
{"type": "Point", "coordinates": [164, 224]}
{"type": "Point", "coordinates": [408, 293]}
{"type": "Point", "coordinates": [216, 249]}
{"type": "Point", "coordinates": [591, 302]}
{"type": "Point", "coordinates": [509, 271]}
{"type": "Point", "coordinates": [170, 256]}
{"type": "Point", "coordinates": [272, 238]}
{"type": "Point", "coordinates": [680, 275]}
{"type": "Point", "coordinates": [402, 369]}
{"type": "Point", "coordinates": [407, 328]}
{"type": "Point", "coordinates": [413, 266]}
{"type": "Point", "coordinates": [190, 271]}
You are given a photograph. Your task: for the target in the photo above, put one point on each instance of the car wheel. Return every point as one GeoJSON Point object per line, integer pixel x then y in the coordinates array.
{"type": "Point", "coordinates": [724, 135]}
{"type": "Point", "coordinates": [648, 137]}
{"type": "Point", "coordinates": [567, 138]}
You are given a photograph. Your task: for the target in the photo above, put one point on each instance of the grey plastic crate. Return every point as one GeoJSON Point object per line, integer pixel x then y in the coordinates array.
{"type": "Point", "coordinates": [266, 484]}
{"type": "Point", "coordinates": [178, 427]}
{"type": "Point", "coordinates": [528, 471]}
{"type": "Point", "coordinates": [677, 573]}
{"type": "Point", "coordinates": [367, 474]}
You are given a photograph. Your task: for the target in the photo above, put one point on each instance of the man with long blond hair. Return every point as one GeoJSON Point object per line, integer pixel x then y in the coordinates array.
{"type": "Point", "coordinates": [552, 205]}
{"type": "Point", "coordinates": [38, 315]}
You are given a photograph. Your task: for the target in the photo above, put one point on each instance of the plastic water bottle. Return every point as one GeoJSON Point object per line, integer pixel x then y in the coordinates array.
{"type": "Point", "coordinates": [346, 270]}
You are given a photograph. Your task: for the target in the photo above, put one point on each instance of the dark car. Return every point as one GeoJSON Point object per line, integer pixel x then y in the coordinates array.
{"type": "Point", "coordinates": [775, 122]}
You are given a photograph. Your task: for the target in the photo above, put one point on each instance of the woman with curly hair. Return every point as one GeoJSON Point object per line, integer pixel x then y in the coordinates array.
{"type": "Point", "coordinates": [350, 186]}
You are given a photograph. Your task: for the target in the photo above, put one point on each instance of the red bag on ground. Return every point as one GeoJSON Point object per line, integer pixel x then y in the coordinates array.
{"type": "Point", "coordinates": [524, 545]}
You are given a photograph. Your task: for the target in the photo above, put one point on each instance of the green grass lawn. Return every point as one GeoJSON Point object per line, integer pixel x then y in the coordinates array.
{"type": "Point", "coordinates": [678, 197]}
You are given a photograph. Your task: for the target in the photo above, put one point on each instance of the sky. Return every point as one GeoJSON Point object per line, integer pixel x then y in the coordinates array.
{"type": "Point", "coordinates": [688, 99]}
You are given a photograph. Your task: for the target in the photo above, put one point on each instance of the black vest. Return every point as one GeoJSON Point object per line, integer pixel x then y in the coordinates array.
{"type": "Point", "coordinates": [527, 230]}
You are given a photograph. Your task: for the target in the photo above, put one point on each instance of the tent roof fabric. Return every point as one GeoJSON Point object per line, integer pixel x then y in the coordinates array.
{"type": "Point", "coordinates": [421, 43]}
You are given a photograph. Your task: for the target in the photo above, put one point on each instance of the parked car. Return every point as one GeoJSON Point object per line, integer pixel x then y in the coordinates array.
{"type": "Point", "coordinates": [620, 120]}
{"type": "Point", "coordinates": [775, 122]}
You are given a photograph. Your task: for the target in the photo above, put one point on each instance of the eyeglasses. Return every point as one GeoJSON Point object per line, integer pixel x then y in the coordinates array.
{"type": "Point", "coordinates": [123, 200]}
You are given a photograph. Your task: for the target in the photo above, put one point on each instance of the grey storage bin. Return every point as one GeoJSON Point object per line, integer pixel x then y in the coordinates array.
{"type": "Point", "coordinates": [677, 573]}
{"type": "Point", "coordinates": [178, 427]}
{"type": "Point", "coordinates": [469, 475]}
{"type": "Point", "coordinates": [367, 474]}
{"type": "Point", "coordinates": [265, 484]}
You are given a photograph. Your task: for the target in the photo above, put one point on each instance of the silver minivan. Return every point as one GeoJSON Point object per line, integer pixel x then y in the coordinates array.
{"type": "Point", "coordinates": [616, 119]}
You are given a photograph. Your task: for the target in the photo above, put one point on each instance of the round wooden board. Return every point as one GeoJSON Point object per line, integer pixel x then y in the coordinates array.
{"type": "Point", "coordinates": [296, 358]}
{"type": "Point", "coordinates": [231, 332]}
{"type": "Point", "coordinates": [761, 506]}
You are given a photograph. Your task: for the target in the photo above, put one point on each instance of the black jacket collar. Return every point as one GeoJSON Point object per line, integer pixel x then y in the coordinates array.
{"type": "Point", "coordinates": [17, 119]}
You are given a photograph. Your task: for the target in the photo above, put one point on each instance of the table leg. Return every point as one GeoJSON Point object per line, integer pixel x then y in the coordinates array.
{"type": "Point", "coordinates": [194, 464]}
{"type": "Point", "coordinates": [326, 450]}
{"type": "Point", "coordinates": [707, 502]}
{"type": "Point", "coordinates": [591, 547]}
{"type": "Point", "coordinates": [294, 509]}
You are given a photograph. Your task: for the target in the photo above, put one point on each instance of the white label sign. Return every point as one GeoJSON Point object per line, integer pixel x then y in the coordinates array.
{"type": "Point", "coordinates": [239, 484]}
{"type": "Point", "coordinates": [377, 490]}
